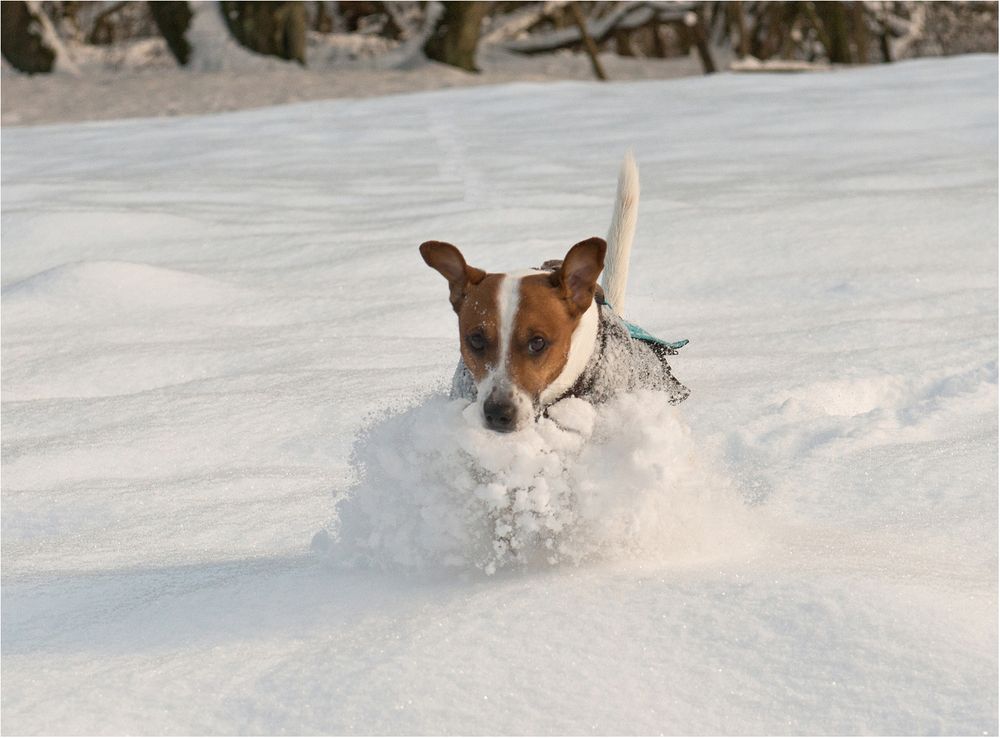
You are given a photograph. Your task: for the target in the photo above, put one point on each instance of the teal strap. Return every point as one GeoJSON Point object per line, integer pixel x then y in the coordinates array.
{"type": "Point", "coordinates": [637, 332]}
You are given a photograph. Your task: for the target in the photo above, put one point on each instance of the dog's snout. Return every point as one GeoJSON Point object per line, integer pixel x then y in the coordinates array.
{"type": "Point", "coordinates": [499, 415]}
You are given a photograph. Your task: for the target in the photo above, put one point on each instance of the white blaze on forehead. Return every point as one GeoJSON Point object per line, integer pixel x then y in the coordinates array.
{"type": "Point", "coordinates": [507, 299]}
{"type": "Point", "coordinates": [508, 304]}
{"type": "Point", "coordinates": [498, 377]}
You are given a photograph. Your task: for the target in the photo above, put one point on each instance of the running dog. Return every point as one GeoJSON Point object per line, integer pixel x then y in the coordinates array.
{"type": "Point", "coordinates": [531, 338]}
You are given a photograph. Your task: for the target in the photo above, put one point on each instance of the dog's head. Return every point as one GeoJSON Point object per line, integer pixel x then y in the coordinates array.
{"type": "Point", "coordinates": [526, 336]}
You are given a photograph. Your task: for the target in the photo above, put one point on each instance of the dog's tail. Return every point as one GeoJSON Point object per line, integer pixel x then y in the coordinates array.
{"type": "Point", "coordinates": [621, 234]}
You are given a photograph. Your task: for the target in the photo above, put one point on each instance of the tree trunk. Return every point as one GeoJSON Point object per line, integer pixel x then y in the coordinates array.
{"type": "Point", "coordinates": [21, 41]}
{"type": "Point", "coordinates": [623, 43]}
{"type": "Point", "coordinates": [271, 28]}
{"type": "Point", "coordinates": [295, 32]}
{"type": "Point", "coordinates": [788, 22]}
{"type": "Point", "coordinates": [699, 37]}
{"type": "Point", "coordinates": [738, 19]}
{"type": "Point", "coordinates": [833, 16]}
{"type": "Point", "coordinates": [862, 38]}
{"type": "Point", "coordinates": [456, 36]}
{"type": "Point", "coordinates": [173, 20]}
{"type": "Point", "coordinates": [658, 47]}
{"type": "Point", "coordinates": [773, 15]}
{"type": "Point", "coordinates": [884, 46]}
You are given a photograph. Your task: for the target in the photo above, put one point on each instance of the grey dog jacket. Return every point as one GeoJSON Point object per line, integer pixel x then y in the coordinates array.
{"type": "Point", "coordinates": [620, 363]}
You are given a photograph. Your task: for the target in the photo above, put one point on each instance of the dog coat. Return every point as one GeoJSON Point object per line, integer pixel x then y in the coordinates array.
{"type": "Point", "coordinates": [625, 358]}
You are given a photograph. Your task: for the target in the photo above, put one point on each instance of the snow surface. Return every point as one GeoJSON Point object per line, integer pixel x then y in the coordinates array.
{"type": "Point", "coordinates": [141, 79]}
{"type": "Point", "coordinates": [214, 328]}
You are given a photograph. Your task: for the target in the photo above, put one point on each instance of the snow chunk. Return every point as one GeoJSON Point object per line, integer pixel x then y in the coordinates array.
{"type": "Point", "coordinates": [437, 489]}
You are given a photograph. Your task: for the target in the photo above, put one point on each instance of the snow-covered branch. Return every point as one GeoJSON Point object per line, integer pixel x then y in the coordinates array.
{"type": "Point", "coordinates": [63, 62]}
{"type": "Point", "coordinates": [626, 16]}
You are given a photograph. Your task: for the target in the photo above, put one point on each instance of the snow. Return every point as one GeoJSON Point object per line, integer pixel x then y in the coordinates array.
{"type": "Point", "coordinates": [142, 79]}
{"type": "Point", "coordinates": [213, 48]}
{"type": "Point", "coordinates": [216, 329]}
{"type": "Point", "coordinates": [439, 490]}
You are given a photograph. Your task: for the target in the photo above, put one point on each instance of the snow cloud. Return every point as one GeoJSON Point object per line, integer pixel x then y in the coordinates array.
{"type": "Point", "coordinates": [626, 478]}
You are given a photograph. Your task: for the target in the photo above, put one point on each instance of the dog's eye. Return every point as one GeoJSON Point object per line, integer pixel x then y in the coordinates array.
{"type": "Point", "coordinates": [476, 341]}
{"type": "Point", "coordinates": [537, 345]}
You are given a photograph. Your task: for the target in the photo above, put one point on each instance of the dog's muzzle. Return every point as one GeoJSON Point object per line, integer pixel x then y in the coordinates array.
{"type": "Point", "coordinates": [500, 415]}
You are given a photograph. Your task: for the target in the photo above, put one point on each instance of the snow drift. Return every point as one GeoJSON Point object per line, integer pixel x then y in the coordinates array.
{"type": "Point", "coordinates": [622, 479]}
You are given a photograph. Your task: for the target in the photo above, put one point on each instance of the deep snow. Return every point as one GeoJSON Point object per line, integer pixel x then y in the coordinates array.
{"type": "Point", "coordinates": [438, 490]}
{"type": "Point", "coordinates": [201, 315]}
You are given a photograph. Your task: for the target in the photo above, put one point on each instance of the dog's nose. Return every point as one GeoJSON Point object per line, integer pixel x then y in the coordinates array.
{"type": "Point", "coordinates": [499, 415]}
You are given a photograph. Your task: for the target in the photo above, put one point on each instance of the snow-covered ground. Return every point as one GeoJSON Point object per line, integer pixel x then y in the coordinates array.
{"type": "Point", "coordinates": [140, 78]}
{"type": "Point", "coordinates": [214, 328]}
{"type": "Point", "coordinates": [123, 86]}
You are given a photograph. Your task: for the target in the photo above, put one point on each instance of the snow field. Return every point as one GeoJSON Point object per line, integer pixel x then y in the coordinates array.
{"type": "Point", "coordinates": [218, 339]}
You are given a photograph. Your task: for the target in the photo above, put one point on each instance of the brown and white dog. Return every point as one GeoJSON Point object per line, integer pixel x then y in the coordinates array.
{"type": "Point", "coordinates": [531, 338]}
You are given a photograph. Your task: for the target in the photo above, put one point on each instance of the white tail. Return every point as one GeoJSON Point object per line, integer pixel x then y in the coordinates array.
{"type": "Point", "coordinates": [621, 234]}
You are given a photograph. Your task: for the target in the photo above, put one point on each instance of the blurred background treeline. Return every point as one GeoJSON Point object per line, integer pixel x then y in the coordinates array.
{"type": "Point", "coordinates": [38, 36]}
{"type": "Point", "coordinates": [111, 58]}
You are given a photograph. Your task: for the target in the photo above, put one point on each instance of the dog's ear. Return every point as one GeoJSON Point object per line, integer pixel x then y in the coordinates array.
{"type": "Point", "coordinates": [449, 261]}
{"type": "Point", "coordinates": [577, 277]}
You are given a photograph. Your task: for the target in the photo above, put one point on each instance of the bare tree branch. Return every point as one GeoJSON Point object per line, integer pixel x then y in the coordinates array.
{"type": "Point", "coordinates": [624, 16]}
{"type": "Point", "coordinates": [521, 20]}
{"type": "Point", "coordinates": [588, 42]}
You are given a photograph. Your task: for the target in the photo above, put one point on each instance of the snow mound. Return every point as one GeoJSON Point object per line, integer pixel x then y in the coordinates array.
{"type": "Point", "coordinates": [626, 478]}
{"type": "Point", "coordinates": [116, 284]}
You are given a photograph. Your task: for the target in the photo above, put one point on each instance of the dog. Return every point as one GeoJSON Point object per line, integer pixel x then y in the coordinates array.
{"type": "Point", "coordinates": [532, 338]}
